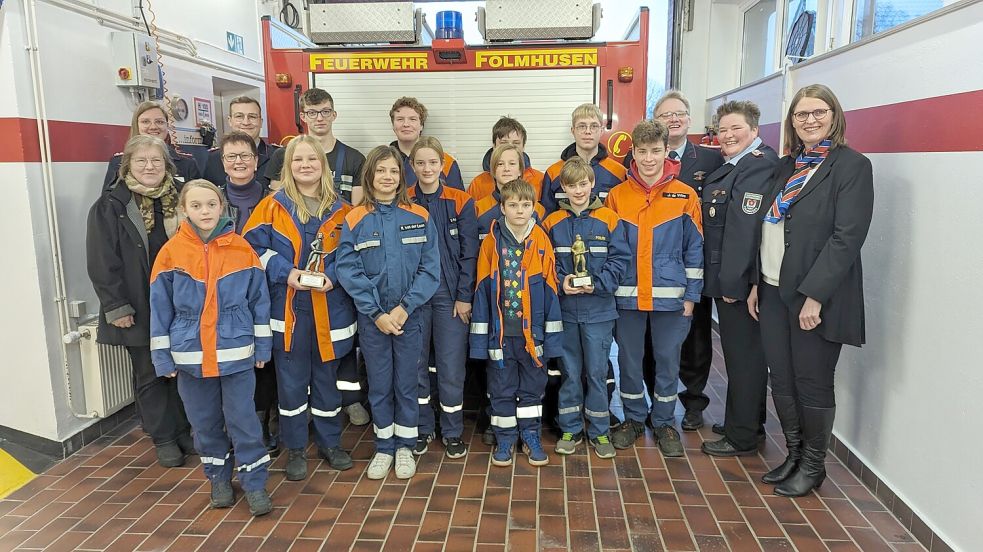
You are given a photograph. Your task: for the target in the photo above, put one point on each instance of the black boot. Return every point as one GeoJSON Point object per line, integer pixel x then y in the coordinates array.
{"type": "Point", "coordinates": [788, 415]}
{"type": "Point", "coordinates": [817, 425]}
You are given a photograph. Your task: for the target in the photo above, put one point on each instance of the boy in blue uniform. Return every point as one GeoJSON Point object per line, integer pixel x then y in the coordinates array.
{"type": "Point", "coordinates": [516, 322]}
{"type": "Point", "coordinates": [583, 228]}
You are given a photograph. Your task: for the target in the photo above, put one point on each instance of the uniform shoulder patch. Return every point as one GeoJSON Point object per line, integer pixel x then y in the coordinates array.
{"type": "Point", "coordinates": [757, 153]}
{"type": "Point", "coordinates": [751, 203]}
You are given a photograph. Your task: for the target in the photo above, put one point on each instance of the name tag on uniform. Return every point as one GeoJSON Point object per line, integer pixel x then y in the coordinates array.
{"type": "Point", "coordinates": [417, 226]}
{"type": "Point", "coordinates": [675, 195]}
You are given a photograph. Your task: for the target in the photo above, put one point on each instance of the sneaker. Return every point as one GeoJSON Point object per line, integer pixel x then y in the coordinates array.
{"type": "Point", "coordinates": [422, 444]}
{"type": "Point", "coordinates": [222, 495]}
{"type": "Point", "coordinates": [627, 433]}
{"type": "Point", "coordinates": [454, 447]}
{"type": "Point", "coordinates": [357, 414]}
{"type": "Point", "coordinates": [502, 455]}
{"type": "Point", "coordinates": [533, 448]}
{"type": "Point", "coordinates": [379, 466]}
{"type": "Point", "coordinates": [488, 437]}
{"type": "Point", "coordinates": [603, 447]}
{"type": "Point", "coordinates": [337, 458]}
{"type": "Point", "coordinates": [568, 442]}
{"type": "Point", "coordinates": [170, 455]}
{"type": "Point", "coordinates": [669, 442]}
{"type": "Point", "coordinates": [405, 464]}
{"type": "Point", "coordinates": [296, 465]}
{"type": "Point", "coordinates": [259, 502]}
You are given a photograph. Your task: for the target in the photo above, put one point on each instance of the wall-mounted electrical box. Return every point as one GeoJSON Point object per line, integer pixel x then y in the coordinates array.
{"type": "Point", "coordinates": [135, 60]}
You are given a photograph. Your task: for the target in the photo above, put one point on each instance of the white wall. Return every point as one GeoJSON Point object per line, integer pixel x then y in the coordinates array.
{"type": "Point", "coordinates": [77, 74]}
{"type": "Point", "coordinates": [908, 402]}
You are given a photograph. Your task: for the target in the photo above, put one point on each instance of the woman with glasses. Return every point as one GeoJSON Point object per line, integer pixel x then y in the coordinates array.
{"type": "Point", "coordinates": [810, 294]}
{"type": "Point", "coordinates": [127, 227]}
{"type": "Point", "coordinates": [150, 119]}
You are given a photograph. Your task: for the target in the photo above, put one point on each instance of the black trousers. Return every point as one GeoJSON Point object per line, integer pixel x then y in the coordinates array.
{"type": "Point", "coordinates": [747, 374]}
{"type": "Point", "coordinates": [265, 395]}
{"type": "Point", "coordinates": [802, 362]}
{"type": "Point", "coordinates": [157, 400]}
{"type": "Point", "coordinates": [694, 360]}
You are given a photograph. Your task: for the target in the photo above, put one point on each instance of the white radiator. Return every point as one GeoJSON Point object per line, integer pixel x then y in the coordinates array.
{"type": "Point", "coordinates": [107, 374]}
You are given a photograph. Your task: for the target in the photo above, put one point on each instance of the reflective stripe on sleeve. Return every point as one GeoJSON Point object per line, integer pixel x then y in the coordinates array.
{"type": "Point", "coordinates": [162, 342]}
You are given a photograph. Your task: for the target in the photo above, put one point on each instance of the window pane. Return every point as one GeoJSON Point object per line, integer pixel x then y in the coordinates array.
{"type": "Point", "coordinates": [888, 13]}
{"type": "Point", "coordinates": [800, 29]}
{"type": "Point", "coordinates": [759, 41]}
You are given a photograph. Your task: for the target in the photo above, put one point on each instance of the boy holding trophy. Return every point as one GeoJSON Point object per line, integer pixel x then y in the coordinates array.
{"type": "Point", "coordinates": [591, 255]}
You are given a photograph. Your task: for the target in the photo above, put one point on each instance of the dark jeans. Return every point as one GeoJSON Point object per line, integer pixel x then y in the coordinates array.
{"type": "Point", "coordinates": [802, 362]}
{"type": "Point", "coordinates": [157, 400]}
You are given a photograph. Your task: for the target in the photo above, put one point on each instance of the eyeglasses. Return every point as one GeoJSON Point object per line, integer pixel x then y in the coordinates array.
{"type": "Point", "coordinates": [584, 127]}
{"type": "Point", "coordinates": [246, 116]}
{"type": "Point", "coordinates": [154, 122]}
{"type": "Point", "coordinates": [313, 113]}
{"type": "Point", "coordinates": [231, 157]}
{"type": "Point", "coordinates": [817, 114]}
{"type": "Point", "coordinates": [669, 115]}
{"type": "Point", "coordinates": [142, 163]}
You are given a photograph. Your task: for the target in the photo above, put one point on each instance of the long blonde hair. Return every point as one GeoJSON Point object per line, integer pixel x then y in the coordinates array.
{"type": "Point", "coordinates": [328, 194]}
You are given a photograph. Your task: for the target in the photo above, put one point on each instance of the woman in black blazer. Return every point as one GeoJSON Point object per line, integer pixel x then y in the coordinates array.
{"type": "Point", "coordinates": [810, 294]}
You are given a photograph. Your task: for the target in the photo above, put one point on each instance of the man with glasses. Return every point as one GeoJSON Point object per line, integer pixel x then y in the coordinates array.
{"type": "Point", "coordinates": [245, 115]}
{"type": "Point", "coordinates": [318, 113]}
{"type": "Point", "coordinates": [696, 163]}
{"type": "Point", "coordinates": [608, 173]}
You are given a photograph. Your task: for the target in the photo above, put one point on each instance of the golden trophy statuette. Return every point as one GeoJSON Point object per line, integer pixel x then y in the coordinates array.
{"type": "Point", "coordinates": [581, 278]}
{"type": "Point", "coordinates": [311, 277]}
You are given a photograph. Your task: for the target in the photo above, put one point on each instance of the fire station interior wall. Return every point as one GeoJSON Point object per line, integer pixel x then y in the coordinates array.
{"type": "Point", "coordinates": [462, 107]}
{"type": "Point", "coordinates": [78, 92]}
{"type": "Point", "coordinates": [908, 402]}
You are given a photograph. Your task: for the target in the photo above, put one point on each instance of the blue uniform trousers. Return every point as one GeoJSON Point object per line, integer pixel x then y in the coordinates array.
{"type": "Point", "coordinates": [668, 331]}
{"type": "Point", "coordinates": [220, 409]}
{"type": "Point", "coordinates": [392, 363]}
{"type": "Point", "coordinates": [449, 338]}
{"type": "Point", "coordinates": [586, 347]}
{"type": "Point", "coordinates": [516, 391]}
{"type": "Point", "coordinates": [303, 381]}
{"type": "Point", "coordinates": [350, 378]}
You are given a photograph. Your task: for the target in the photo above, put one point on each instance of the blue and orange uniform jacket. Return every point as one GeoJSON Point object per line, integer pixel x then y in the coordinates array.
{"type": "Point", "coordinates": [388, 256]}
{"type": "Point", "coordinates": [607, 258]}
{"type": "Point", "coordinates": [209, 305]}
{"type": "Point", "coordinates": [608, 173]}
{"type": "Point", "coordinates": [484, 184]}
{"type": "Point", "coordinates": [450, 171]}
{"type": "Point", "coordinates": [276, 234]}
{"type": "Point", "coordinates": [542, 324]}
{"type": "Point", "coordinates": [665, 236]}
{"type": "Point", "coordinates": [489, 209]}
{"type": "Point", "coordinates": [453, 216]}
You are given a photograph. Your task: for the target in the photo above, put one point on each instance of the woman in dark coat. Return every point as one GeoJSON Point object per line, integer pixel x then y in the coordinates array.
{"type": "Point", "coordinates": [127, 226]}
{"type": "Point", "coordinates": [810, 295]}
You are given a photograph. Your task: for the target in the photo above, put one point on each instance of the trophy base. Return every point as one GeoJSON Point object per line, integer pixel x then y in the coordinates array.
{"type": "Point", "coordinates": [582, 281]}
{"type": "Point", "coordinates": [313, 280]}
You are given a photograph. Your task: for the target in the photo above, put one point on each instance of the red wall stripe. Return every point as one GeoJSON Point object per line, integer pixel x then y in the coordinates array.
{"type": "Point", "coordinates": [71, 142]}
{"type": "Point", "coordinates": [19, 142]}
{"type": "Point", "coordinates": [903, 127]}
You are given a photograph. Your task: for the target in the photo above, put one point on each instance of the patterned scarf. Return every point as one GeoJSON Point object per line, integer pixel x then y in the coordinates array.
{"type": "Point", "coordinates": [145, 196]}
{"type": "Point", "coordinates": [805, 162]}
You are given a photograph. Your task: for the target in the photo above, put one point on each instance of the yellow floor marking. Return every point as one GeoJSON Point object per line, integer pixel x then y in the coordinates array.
{"type": "Point", "coordinates": [13, 474]}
